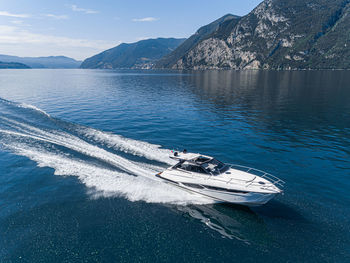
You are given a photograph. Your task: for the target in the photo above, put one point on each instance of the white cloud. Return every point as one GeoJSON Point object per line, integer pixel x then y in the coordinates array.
{"type": "Point", "coordinates": [18, 41]}
{"type": "Point", "coordinates": [17, 22]}
{"type": "Point", "coordinates": [141, 38]}
{"type": "Point", "coordinates": [145, 19]}
{"type": "Point", "coordinates": [6, 29]}
{"type": "Point", "coordinates": [75, 8]}
{"type": "Point", "coordinates": [58, 17]}
{"type": "Point", "coordinates": [15, 35]}
{"type": "Point", "coordinates": [5, 13]}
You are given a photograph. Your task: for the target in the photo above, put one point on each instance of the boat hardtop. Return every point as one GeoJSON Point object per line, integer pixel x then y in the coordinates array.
{"type": "Point", "coordinates": [194, 157]}
{"type": "Point", "coordinates": [192, 162]}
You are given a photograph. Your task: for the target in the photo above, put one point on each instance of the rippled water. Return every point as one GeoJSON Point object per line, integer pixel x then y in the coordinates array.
{"type": "Point", "coordinates": [79, 149]}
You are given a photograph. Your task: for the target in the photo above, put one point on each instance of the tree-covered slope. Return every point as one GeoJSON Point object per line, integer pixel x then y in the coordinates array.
{"type": "Point", "coordinates": [141, 54]}
{"type": "Point", "coordinates": [13, 65]}
{"type": "Point", "coordinates": [43, 62]}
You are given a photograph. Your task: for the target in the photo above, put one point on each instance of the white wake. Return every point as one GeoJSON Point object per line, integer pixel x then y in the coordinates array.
{"type": "Point", "coordinates": [91, 155]}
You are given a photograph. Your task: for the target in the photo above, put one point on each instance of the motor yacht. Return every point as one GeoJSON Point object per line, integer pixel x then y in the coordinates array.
{"type": "Point", "coordinates": [227, 183]}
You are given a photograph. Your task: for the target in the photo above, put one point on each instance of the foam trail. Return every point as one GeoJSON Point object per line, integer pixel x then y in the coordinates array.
{"type": "Point", "coordinates": [139, 148]}
{"type": "Point", "coordinates": [81, 146]}
{"type": "Point", "coordinates": [24, 105]}
{"type": "Point", "coordinates": [58, 139]}
{"type": "Point", "coordinates": [117, 142]}
{"type": "Point", "coordinates": [32, 107]}
{"type": "Point", "coordinates": [90, 150]}
{"type": "Point", "coordinates": [106, 182]}
{"type": "Point", "coordinates": [74, 150]}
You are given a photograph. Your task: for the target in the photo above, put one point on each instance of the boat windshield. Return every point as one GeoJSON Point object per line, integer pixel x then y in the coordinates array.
{"type": "Point", "coordinates": [215, 167]}
{"type": "Point", "coordinates": [191, 168]}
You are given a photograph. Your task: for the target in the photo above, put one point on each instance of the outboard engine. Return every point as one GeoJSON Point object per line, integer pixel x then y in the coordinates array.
{"type": "Point", "coordinates": [184, 151]}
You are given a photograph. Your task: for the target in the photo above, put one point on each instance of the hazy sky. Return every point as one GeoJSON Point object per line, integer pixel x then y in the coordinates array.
{"type": "Point", "coordinates": [82, 28]}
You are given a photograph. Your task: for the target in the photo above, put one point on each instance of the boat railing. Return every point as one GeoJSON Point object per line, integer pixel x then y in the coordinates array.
{"type": "Point", "coordinates": [273, 179]}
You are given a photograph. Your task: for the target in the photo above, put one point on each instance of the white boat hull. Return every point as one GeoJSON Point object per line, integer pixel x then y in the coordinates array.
{"type": "Point", "coordinates": [248, 199]}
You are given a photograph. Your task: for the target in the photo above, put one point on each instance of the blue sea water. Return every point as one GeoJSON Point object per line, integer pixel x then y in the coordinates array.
{"type": "Point", "coordinates": [78, 149]}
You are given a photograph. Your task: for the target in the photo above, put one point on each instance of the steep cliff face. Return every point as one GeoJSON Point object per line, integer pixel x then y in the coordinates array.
{"type": "Point", "coordinates": [202, 33]}
{"type": "Point", "coordinates": [278, 34]}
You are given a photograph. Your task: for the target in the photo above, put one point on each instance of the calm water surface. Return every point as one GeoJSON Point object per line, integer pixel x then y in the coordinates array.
{"type": "Point", "coordinates": [78, 148]}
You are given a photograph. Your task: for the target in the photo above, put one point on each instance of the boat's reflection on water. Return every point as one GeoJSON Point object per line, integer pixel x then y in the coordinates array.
{"type": "Point", "coordinates": [230, 221]}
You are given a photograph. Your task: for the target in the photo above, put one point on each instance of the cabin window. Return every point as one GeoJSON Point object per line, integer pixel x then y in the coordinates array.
{"type": "Point", "coordinates": [192, 168]}
{"type": "Point", "coordinates": [218, 165]}
{"type": "Point", "coordinates": [184, 166]}
{"type": "Point", "coordinates": [179, 165]}
{"type": "Point", "coordinates": [198, 169]}
{"type": "Point", "coordinates": [202, 159]}
{"type": "Point", "coordinates": [215, 167]}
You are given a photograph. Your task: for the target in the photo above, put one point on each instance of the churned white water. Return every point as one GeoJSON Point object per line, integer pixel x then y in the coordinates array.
{"type": "Point", "coordinates": [91, 155]}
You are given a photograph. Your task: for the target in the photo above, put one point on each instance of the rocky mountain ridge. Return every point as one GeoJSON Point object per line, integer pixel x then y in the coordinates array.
{"type": "Point", "coordinates": [278, 34]}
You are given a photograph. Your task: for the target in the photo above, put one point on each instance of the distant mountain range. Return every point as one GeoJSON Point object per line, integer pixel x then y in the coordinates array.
{"type": "Point", "coordinates": [277, 34]}
{"type": "Point", "coordinates": [13, 65]}
{"type": "Point", "coordinates": [141, 54]}
{"type": "Point", "coordinates": [43, 62]}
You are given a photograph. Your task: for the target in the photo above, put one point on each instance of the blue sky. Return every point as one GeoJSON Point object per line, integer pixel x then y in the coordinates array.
{"type": "Point", "coordinates": [80, 29]}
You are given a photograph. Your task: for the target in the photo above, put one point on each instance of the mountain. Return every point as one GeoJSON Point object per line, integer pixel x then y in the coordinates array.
{"type": "Point", "coordinates": [202, 33]}
{"type": "Point", "coordinates": [11, 65]}
{"type": "Point", "coordinates": [277, 34]}
{"type": "Point", "coordinates": [141, 54]}
{"type": "Point", "coordinates": [43, 62]}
